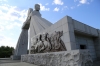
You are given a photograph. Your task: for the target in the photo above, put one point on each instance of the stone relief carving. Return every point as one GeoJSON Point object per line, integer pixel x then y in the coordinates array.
{"type": "Point", "coordinates": [44, 42]}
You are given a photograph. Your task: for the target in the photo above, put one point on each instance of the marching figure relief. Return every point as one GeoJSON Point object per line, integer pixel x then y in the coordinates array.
{"type": "Point", "coordinates": [43, 43]}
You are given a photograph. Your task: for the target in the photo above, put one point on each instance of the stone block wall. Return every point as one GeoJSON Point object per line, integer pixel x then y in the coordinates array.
{"type": "Point", "coordinates": [87, 42]}
{"type": "Point", "coordinates": [81, 27]}
{"type": "Point", "coordinates": [64, 58]}
{"type": "Point", "coordinates": [97, 45]}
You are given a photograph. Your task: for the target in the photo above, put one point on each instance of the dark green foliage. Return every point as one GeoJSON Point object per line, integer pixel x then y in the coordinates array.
{"type": "Point", "coordinates": [5, 51]}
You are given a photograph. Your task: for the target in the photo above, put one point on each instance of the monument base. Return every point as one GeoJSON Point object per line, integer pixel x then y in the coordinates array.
{"type": "Point", "coordinates": [62, 58]}
{"type": "Point", "coordinates": [13, 57]}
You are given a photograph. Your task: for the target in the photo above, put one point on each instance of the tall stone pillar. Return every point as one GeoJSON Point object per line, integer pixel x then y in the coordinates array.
{"type": "Point", "coordinates": [22, 45]}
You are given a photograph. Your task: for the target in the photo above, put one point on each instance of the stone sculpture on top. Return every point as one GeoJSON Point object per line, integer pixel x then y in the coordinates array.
{"type": "Point", "coordinates": [35, 22]}
{"type": "Point", "coordinates": [42, 42]}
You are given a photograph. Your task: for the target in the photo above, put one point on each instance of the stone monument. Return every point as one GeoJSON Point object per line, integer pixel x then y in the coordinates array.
{"type": "Point", "coordinates": [36, 23]}
{"type": "Point", "coordinates": [51, 44]}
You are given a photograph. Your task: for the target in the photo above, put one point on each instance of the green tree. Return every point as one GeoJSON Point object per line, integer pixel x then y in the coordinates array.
{"type": "Point", "coordinates": [5, 51]}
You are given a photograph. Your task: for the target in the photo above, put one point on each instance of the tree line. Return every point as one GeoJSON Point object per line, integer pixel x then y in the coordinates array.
{"type": "Point", "coordinates": [6, 51]}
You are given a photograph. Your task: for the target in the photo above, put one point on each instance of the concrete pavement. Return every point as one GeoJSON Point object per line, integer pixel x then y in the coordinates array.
{"type": "Point", "coordinates": [17, 64]}
{"type": "Point", "coordinates": [9, 62]}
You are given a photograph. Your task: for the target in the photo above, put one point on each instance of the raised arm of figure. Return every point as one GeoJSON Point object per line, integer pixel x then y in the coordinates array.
{"type": "Point", "coordinates": [26, 24]}
{"type": "Point", "coordinates": [29, 15]}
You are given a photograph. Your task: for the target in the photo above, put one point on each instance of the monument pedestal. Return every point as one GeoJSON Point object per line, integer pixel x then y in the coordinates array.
{"type": "Point", "coordinates": [13, 57]}
{"type": "Point", "coordinates": [62, 58]}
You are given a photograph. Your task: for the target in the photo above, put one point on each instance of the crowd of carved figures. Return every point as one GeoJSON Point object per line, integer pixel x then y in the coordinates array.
{"type": "Point", "coordinates": [45, 42]}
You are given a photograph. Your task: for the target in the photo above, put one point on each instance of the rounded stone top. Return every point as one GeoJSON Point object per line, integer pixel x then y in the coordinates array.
{"type": "Point", "coordinates": [37, 7]}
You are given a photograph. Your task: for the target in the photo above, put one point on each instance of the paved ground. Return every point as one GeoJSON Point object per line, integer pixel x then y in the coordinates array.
{"type": "Point", "coordinates": [9, 62]}
{"type": "Point", "coordinates": [17, 64]}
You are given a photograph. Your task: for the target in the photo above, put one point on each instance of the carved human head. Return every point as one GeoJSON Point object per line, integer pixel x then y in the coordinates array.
{"type": "Point", "coordinates": [39, 37]}
{"type": "Point", "coordinates": [43, 36]}
{"type": "Point", "coordinates": [37, 7]}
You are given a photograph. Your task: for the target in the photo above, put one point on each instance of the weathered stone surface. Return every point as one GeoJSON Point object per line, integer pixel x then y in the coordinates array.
{"type": "Point", "coordinates": [64, 58]}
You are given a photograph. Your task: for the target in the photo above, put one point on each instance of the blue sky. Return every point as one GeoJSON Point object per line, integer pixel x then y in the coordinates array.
{"type": "Point", "coordinates": [14, 12]}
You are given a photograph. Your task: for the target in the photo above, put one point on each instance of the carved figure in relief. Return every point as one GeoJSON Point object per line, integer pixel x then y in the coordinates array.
{"type": "Point", "coordinates": [39, 44]}
{"type": "Point", "coordinates": [33, 42]}
{"type": "Point", "coordinates": [61, 43]}
{"type": "Point", "coordinates": [56, 39]}
{"type": "Point", "coordinates": [52, 42]}
{"type": "Point", "coordinates": [46, 42]}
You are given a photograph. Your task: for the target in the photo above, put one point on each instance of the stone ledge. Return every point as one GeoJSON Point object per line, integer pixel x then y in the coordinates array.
{"type": "Point", "coordinates": [14, 57]}
{"type": "Point", "coordinates": [63, 58]}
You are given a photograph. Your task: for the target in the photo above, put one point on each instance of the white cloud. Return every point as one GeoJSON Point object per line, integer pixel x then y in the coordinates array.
{"type": "Point", "coordinates": [11, 17]}
{"type": "Point", "coordinates": [12, 25]}
{"type": "Point", "coordinates": [4, 0]}
{"type": "Point", "coordinates": [83, 2]}
{"type": "Point", "coordinates": [58, 2]}
{"type": "Point", "coordinates": [56, 9]}
{"type": "Point", "coordinates": [1, 28]}
{"type": "Point", "coordinates": [10, 14]}
{"type": "Point", "coordinates": [6, 41]}
{"type": "Point", "coordinates": [75, 0]}
{"type": "Point", "coordinates": [47, 4]}
{"type": "Point", "coordinates": [12, 34]}
{"type": "Point", "coordinates": [78, 4]}
{"type": "Point", "coordinates": [43, 8]}
{"type": "Point", "coordinates": [72, 7]}
{"type": "Point", "coordinates": [65, 7]}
